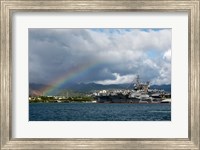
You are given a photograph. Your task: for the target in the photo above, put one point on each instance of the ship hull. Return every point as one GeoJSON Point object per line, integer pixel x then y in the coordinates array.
{"type": "Point", "coordinates": [116, 99]}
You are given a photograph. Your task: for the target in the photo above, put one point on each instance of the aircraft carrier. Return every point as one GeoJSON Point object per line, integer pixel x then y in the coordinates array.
{"type": "Point", "coordinates": [141, 93]}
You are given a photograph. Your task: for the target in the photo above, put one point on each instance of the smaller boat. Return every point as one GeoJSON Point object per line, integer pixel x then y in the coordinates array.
{"type": "Point", "coordinates": [166, 101]}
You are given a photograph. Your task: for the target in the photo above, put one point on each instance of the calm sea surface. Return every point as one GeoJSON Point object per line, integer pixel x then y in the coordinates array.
{"type": "Point", "coordinates": [99, 112]}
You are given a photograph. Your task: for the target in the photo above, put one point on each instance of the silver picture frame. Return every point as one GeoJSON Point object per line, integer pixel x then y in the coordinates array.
{"type": "Point", "coordinates": [9, 7]}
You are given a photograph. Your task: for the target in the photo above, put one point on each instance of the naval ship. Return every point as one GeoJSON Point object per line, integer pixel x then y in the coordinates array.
{"type": "Point", "coordinates": [139, 94]}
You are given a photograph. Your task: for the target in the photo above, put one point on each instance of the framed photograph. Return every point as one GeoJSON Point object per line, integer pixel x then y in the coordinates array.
{"type": "Point", "coordinates": [99, 74]}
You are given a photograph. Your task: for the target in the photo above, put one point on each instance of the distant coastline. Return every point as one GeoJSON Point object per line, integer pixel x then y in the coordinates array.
{"type": "Point", "coordinates": [135, 92]}
{"type": "Point", "coordinates": [61, 99]}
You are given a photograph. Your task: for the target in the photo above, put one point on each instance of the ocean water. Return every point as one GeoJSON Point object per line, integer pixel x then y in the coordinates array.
{"type": "Point", "coordinates": [98, 112]}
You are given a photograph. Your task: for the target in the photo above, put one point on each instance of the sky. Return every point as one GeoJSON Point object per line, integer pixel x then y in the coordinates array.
{"type": "Point", "coordinates": [99, 55]}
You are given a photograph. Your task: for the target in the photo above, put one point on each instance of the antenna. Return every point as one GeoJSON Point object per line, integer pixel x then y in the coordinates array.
{"type": "Point", "coordinates": [138, 79]}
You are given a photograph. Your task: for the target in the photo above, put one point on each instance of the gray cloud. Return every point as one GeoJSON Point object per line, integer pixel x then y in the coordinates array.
{"type": "Point", "coordinates": [118, 55]}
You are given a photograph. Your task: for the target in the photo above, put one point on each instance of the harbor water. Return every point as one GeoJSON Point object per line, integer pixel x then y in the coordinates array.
{"type": "Point", "coordinates": [99, 112]}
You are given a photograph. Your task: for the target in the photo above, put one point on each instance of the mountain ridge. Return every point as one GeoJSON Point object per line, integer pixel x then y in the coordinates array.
{"type": "Point", "coordinates": [35, 89]}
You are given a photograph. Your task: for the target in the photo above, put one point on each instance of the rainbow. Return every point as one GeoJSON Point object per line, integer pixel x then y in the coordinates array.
{"type": "Point", "coordinates": [69, 75]}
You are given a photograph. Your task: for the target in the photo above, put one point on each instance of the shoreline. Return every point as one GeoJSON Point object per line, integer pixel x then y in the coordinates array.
{"type": "Point", "coordinates": [88, 103]}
